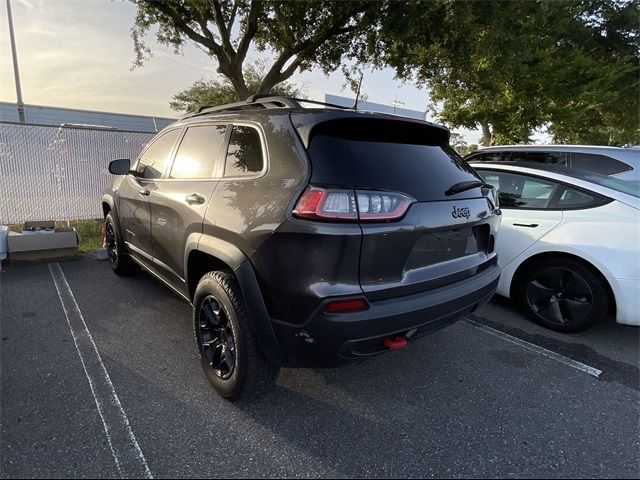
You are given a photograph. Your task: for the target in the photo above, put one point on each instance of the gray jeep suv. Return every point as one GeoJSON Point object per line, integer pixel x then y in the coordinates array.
{"type": "Point", "coordinates": [304, 237]}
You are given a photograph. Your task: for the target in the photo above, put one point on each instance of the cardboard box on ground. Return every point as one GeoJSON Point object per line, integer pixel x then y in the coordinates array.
{"type": "Point", "coordinates": [41, 241]}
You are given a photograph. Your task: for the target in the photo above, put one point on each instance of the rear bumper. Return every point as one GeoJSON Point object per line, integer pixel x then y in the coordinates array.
{"type": "Point", "coordinates": [327, 340]}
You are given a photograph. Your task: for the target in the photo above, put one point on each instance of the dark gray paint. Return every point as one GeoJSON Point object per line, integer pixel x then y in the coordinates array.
{"type": "Point", "coordinates": [296, 265]}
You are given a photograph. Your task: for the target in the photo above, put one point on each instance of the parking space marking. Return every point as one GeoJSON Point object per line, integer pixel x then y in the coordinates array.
{"type": "Point", "coordinates": [128, 456]}
{"type": "Point", "coordinates": [535, 348]}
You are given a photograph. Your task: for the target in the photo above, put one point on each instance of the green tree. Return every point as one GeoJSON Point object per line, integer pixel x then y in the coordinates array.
{"type": "Point", "coordinates": [458, 142]}
{"type": "Point", "coordinates": [220, 91]}
{"type": "Point", "coordinates": [512, 67]}
{"type": "Point", "coordinates": [605, 105]}
{"type": "Point", "coordinates": [300, 35]}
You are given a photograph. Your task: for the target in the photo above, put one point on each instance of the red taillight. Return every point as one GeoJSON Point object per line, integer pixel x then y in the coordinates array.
{"type": "Point", "coordinates": [351, 205]}
{"type": "Point", "coordinates": [323, 204]}
{"type": "Point", "coordinates": [350, 305]}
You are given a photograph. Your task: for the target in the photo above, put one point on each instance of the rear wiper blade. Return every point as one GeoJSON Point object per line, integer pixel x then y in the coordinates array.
{"type": "Point", "coordinates": [464, 186]}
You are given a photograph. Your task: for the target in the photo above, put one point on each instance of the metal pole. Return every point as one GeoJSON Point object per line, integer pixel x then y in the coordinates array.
{"type": "Point", "coordinates": [396, 103]}
{"type": "Point", "coordinates": [16, 71]}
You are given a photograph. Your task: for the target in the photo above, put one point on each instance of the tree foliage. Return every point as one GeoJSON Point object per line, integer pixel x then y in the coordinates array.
{"type": "Point", "coordinates": [571, 67]}
{"type": "Point", "coordinates": [220, 91]}
{"type": "Point", "coordinates": [299, 34]}
{"type": "Point", "coordinates": [512, 67]}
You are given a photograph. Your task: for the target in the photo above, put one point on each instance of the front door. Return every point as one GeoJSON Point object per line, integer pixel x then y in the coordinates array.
{"type": "Point", "coordinates": [134, 209]}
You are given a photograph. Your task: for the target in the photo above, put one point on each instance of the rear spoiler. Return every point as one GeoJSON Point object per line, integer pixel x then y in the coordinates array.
{"type": "Point", "coordinates": [368, 126]}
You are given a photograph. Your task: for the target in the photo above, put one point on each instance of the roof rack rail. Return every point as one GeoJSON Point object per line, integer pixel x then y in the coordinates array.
{"type": "Point", "coordinates": [262, 100]}
{"type": "Point", "coordinates": [326, 104]}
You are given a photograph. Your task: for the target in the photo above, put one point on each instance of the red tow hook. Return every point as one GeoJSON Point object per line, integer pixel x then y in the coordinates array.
{"type": "Point", "coordinates": [395, 343]}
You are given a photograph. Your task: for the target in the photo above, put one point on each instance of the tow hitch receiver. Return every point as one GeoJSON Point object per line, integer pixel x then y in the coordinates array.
{"type": "Point", "coordinates": [395, 343]}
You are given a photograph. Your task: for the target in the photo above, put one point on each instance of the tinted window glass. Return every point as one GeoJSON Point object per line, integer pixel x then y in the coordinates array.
{"type": "Point", "coordinates": [423, 171]}
{"type": "Point", "coordinates": [552, 158]}
{"type": "Point", "coordinates": [198, 152]}
{"type": "Point", "coordinates": [624, 186]}
{"type": "Point", "coordinates": [487, 157]}
{"type": "Point", "coordinates": [572, 198]}
{"type": "Point", "coordinates": [154, 159]}
{"type": "Point", "coordinates": [244, 156]}
{"type": "Point", "coordinates": [520, 191]}
{"type": "Point", "coordinates": [598, 163]}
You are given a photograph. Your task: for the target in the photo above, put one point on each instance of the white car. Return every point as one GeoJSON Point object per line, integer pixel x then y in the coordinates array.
{"type": "Point", "coordinates": [618, 162]}
{"type": "Point", "coordinates": [569, 243]}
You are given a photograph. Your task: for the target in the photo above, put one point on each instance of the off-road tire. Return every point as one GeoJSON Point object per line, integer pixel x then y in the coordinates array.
{"type": "Point", "coordinates": [120, 261]}
{"type": "Point", "coordinates": [252, 374]}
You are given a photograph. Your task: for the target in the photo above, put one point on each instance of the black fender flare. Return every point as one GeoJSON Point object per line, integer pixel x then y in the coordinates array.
{"type": "Point", "coordinates": [248, 282]}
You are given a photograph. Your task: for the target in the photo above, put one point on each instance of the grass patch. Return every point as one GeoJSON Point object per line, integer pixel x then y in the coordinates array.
{"type": "Point", "coordinates": [90, 232]}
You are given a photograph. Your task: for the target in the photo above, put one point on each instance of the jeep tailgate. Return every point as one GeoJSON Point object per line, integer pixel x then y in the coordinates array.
{"type": "Point", "coordinates": [445, 236]}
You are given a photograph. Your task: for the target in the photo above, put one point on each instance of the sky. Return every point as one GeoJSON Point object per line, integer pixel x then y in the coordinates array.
{"type": "Point", "coordinates": [79, 54]}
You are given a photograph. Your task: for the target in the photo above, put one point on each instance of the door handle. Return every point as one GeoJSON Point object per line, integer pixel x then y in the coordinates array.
{"type": "Point", "coordinates": [144, 192]}
{"type": "Point", "coordinates": [528, 225]}
{"type": "Point", "coordinates": [194, 199]}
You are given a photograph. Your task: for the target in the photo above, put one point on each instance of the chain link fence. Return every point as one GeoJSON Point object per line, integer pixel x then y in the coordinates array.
{"type": "Point", "coordinates": [58, 173]}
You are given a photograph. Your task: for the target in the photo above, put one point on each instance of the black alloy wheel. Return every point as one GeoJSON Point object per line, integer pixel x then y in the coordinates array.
{"type": "Point", "coordinates": [562, 294]}
{"type": "Point", "coordinates": [112, 245]}
{"type": "Point", "coordinates": [118, 258]}
{"type": "Point", "coordinates": [216, 338]}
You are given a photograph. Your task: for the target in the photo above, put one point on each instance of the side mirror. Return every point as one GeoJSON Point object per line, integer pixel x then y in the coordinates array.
{"type": "Point", "coordinates": [120, 166]}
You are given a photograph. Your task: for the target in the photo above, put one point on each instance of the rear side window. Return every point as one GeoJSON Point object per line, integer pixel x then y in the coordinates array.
{"type": "Point", "coordinates": [550, 158]}
{"type": "Point", "coordinates": [598, 163]}
{"type": "Point", "coordinates": [520, 191]}
{"type": "Point", "coordinates": [244, 156]}
{"type": "Point", "coordinates": [153, 161]}
{"type": "Point", "coordinates": [423, 171]}
{"type": "Point", "coordinates": [198, 152]}
{"type": "Point", "coordinates": [573, 198]}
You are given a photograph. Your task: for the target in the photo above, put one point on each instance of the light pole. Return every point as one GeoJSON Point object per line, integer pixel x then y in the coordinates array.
{"type": "Point", "coordinates": [396, 103]}
{"type": "Point", "coordinates": [16, 71]}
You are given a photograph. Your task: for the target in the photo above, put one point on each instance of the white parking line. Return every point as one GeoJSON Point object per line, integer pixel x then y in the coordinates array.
{"type": "Point", "coordinates": [535, 348]}
{"type": "Point", "coordinates": [127, 454]}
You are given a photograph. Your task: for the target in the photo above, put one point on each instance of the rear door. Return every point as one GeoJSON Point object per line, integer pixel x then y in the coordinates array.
{"type": "Point", "coordinates": [134, 211]}
{"type": "Point", "coordinates": [441, 239]}
{"type": "Point", "coordinates": [528, 214]}
{"type": "Point", "coordinates": [178, 203]}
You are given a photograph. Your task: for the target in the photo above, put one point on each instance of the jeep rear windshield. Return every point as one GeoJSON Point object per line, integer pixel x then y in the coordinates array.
{"type": "Point", "coordinates": [381, 160]}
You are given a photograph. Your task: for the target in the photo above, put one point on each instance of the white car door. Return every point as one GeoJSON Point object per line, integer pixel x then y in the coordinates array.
{"type": "Point", "coordinates": [524, 201]}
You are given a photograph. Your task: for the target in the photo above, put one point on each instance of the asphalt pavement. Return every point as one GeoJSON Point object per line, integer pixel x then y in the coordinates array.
{"type": "Point", "coordinates": [99, 377]}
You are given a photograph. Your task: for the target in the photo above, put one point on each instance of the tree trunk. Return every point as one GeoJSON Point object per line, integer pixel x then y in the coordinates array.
{"type": "Point", "coordinates": [487, 137]}
{"type": "Point", "coordinates": [240, 87]}
{"type": "Point", "coordinates": [236, 77]}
